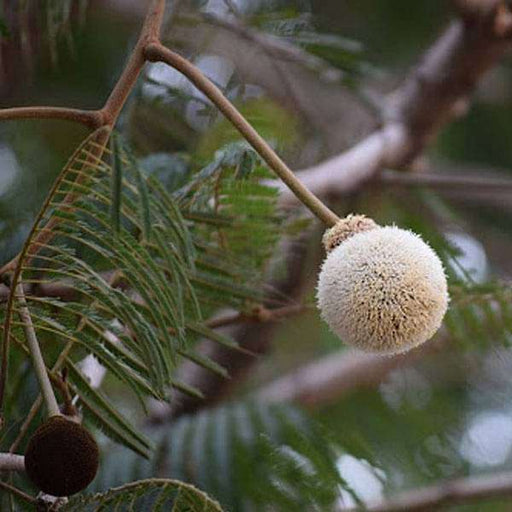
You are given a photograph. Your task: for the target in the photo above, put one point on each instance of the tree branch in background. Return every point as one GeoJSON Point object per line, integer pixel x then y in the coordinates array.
{"type": "Point", "coordinates": [435, 92]}
{"type": "Point", "coordinates": [447, 493]}
{"type": "Point", "coordinates": [278, 48]}
{"type": "Point", "coordinates": [334, 376]}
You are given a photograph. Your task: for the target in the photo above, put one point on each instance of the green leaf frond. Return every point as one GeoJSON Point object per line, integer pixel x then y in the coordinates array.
{"type": "Point", "coordinates": [134, 269]}
{"type": "Point", "coordinates": [235, 221]}
{"type": "Point", "coordinates": [152, 495]}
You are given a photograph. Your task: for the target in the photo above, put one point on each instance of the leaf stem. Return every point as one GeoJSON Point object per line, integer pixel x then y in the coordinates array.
{"type": "Point", "coordinates": [35, 351]}
{"type": "Point", "coordinates": [156, 52]}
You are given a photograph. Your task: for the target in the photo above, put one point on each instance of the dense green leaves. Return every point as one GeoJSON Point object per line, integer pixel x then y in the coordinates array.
{"type": "Point", "coordinates": [136, 268]}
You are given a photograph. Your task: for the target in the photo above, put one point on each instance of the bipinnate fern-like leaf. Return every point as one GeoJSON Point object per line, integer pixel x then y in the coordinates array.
{"type": "Point", "coordinates": [138, 271]}
{"type": "Point", "coordinates": [152, 495]}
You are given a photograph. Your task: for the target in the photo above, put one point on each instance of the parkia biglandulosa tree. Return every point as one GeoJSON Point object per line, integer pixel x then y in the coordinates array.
{"type": "Point", "coordinates": [381, 289]}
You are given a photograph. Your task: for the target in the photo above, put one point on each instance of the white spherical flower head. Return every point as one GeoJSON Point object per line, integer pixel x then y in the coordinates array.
{"type": "Point", "coordinates": [383, 290]}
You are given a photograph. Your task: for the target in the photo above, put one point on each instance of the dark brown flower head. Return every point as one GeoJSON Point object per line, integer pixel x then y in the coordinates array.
{"type": "Point", "coordinates": [62, 457]}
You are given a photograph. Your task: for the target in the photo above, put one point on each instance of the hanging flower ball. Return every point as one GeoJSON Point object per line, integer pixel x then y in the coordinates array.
{"type": "Point", "coordinates": [62, 457]}
{"type": "Point", "coordinates": [380, 289]}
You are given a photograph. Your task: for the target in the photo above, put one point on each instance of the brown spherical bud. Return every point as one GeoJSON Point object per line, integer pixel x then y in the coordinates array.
{"type": "Point", "coordinates": [383, 290]}
{"type": "Point", "coordinates": [62, 457]}
{"type": "Point", "coordinates": [346, 228]}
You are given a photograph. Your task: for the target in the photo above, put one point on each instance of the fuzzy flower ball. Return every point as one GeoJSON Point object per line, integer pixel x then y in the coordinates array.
{"type": "Point", "coordinates": [383, 290]}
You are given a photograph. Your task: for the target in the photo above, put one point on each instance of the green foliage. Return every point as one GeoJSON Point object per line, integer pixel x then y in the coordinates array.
{"type": "Point", "coordinates": [248, 455]}
{"type": "Point", "coordinates": [58, 21]}
{"type": "Point", "coordinates": [185, 244]}
{"type": "Point", "coordinates": [267, 116]}
{"type": "Point", "coordinates": [51, 20]}
{"type": "Point", "coordinates": [182, 254]}
{"type": "Point", "coordinates": [480, 314]}
{"type": "Point", "coordinates": [234, 212]}
{"type": "Point", "coordinates": [153, 495]}
{"type": "Point", "coordinates": [4, 29]}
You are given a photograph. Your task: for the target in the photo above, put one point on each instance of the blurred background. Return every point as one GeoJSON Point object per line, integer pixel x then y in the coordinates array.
{"type": "Point", "coordinates": [444, 414]}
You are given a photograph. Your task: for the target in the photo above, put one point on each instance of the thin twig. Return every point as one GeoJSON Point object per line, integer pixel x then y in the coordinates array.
{"type": "Point", "coordinates": [156, 52]}
{"type": "Point", "coordinates": [35, 351]}
{"type": "Point", "coordinates": [433, 94]}
{"type": "Point", "coordinates": [261, 314]}
{"type": "Point", "coordinates": [150, 33]}
{"type": "Point", "coordinates": [17, 492]}
{"type": "Point", "coordinates": [328, 379]}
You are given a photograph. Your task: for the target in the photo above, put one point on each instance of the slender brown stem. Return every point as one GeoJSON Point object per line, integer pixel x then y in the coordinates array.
{"type": "Point", "coordinates": [26, 423]}
{"type": "Point", "coordinates": [90, 118]}
{"type": "Point", "coordinates": [17, 492]}
{"type": "Point", "coordinates": [110, 112]}
{"type": "Point", "coordinates": [150, 32]}
{"type": "Point", "coordinates": [156, 52]}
